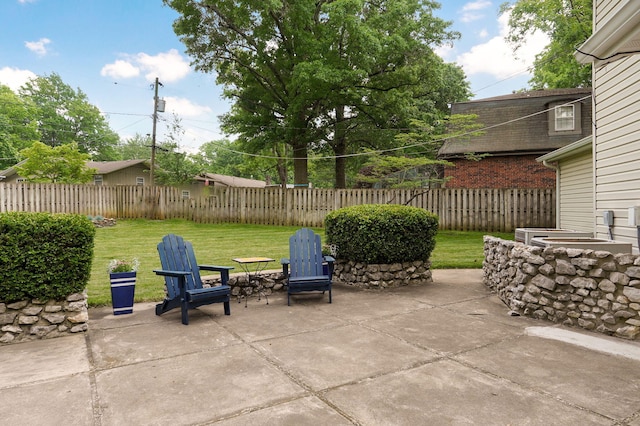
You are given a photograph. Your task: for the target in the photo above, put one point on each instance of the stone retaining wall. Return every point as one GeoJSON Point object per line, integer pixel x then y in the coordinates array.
{"type": "Point", "coordinates": [265, 284]}
{"type": "Point", "coordinates": [365, 275]}
{"type": "Point", "coordinates": [595, 290]}
{"type": "Point", "coordinates": [347, 272]}
{"type": "Point", "coordinates": [40, 319]}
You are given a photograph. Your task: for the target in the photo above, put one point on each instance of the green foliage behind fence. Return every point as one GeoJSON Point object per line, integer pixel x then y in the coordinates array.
{"type": "Point", "coordinates": [382, 233]}
{"type": "Point", "coordinates": [44, 256]}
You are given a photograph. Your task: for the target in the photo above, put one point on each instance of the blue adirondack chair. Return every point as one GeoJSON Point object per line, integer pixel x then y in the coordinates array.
{"type": "Point", "coordinates": [182, 278]}
{"type": "Point", "coordinates": [306, 265]}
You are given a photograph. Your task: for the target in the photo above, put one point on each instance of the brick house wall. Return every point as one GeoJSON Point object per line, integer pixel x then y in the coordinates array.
{"type": "Point", "coordinates": [500, 172]}
{"type": "Point", "coordinates": [520, 127]}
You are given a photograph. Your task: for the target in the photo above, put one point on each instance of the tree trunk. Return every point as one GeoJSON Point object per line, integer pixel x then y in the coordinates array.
{"type": "Point", "coordinates": [340, 148]}
{"type": "Point", "coordinates": [281, 165]}
{"type": "Point", "coordinates": [341, 165]}
{"type": "Point", "coordinates": [300, 172]}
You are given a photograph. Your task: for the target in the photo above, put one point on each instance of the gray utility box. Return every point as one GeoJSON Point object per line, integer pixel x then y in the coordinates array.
{"type": "Point", "coordinates": [524, 235]}
{"type": "Point", "coordinates": [596, 244]}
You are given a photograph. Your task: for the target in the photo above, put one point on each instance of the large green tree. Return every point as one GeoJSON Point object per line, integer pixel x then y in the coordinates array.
{"type": "Point", "coordinates": [65, 115]}
{"type": "Point", "coordinates": [18, 126]}
{"type": "Point", "coordinates": [137, 147]}
{"type": "Point", "coordinates": [60, 164]}
{"type": "Point", "coordinates": [568, 23]}
{"type": "Point", "coordinates": [319, 75]}
{"type": "Point", "coordinates": [173, 166]}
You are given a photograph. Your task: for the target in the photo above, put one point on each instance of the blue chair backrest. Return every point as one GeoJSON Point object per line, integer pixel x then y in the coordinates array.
{"type": "Point", "coordinates": [305, 254]}
{"type": "Point", "coordinates": [178, 255]}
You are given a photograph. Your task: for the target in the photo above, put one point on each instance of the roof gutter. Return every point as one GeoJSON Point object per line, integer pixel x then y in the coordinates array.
{"type": "Point", "coordinates": [610, 41]}
{"type": "Point", "coordinates": [574, 148]}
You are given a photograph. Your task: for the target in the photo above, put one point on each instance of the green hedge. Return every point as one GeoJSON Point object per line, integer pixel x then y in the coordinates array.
{"type": "Point", "coordinates": [44, 256]}
{"type": "Point", "coordinates": [382, 233]}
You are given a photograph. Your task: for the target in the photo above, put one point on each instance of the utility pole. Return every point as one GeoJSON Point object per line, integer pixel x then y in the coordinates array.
{"type": "Point", "coordinates": [158, 106]}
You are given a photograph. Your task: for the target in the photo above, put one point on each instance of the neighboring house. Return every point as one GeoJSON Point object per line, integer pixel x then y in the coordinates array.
{"type": "Point", "coordinates": [213, 179]}
{"type": "Point", "coordinates": [518, 128]}
{"type": "Point", "coordinates": [127, 172]}
{"type": "Point", "coordinates": [203, 181]}
{"type": "Point", "coordinates": [614, 51]}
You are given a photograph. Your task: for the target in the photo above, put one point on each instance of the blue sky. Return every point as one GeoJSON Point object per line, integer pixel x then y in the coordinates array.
{"type": "Point", "coordinates": [113, 50]}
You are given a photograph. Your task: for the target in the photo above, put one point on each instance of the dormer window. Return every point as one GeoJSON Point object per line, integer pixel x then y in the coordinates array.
{"type": "Point", "coordinates": [565, 118]}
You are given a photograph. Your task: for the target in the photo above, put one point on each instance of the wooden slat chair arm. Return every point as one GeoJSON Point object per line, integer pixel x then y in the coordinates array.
{"type": "Point", "coordinates": [285, 266]}
{"type": "Point", "coordinates": [224, 271]}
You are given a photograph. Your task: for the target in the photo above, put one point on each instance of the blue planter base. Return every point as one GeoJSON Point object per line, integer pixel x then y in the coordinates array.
{"type": "Point", "coordinates": [123, 287]}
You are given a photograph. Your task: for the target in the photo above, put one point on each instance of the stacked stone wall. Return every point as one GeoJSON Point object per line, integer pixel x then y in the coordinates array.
{"type": "Point", "coordinates": [380, 276]}
{"type": "Point", "coordinates": [595, 290]}
{"type": "Point", "coordinates": [347, 272]}
{"type": "Point", "coordinates": [264, 284]}
{"type": "Point", "coordinates": [42, 319]}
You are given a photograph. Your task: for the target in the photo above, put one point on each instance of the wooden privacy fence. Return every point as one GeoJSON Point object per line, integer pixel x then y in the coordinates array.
{"type": "Point", "coordinates": [459, 209]}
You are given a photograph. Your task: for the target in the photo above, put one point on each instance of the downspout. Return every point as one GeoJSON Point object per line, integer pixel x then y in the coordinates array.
{"type": "Point", "coordinates": [554, 165]}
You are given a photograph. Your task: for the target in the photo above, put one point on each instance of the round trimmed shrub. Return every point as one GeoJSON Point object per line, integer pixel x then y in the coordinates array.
{"type": "Point", "coordinates": [44, 256]}
{"type": "Point", "coordinates": [382, 233]}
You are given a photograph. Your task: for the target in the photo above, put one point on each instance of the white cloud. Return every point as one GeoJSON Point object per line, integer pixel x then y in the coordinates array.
{"type": "Point", "coordinates": [470, 11]}
{"type": "Point", "coordinates": [168, 66]}
{"type": "Point", "coordinates": [14, 77]}
{"type": "Point", "coordinates": [38, 47]}
{"type": "Point", "coordinates": [120, 69]}
{"type": "Point", "coordinates": [496, 57]}
{"type": "Point", "coordinates": [483, 33]}
{"type": "Point", "coordinates": [26, 1]}
{"type": "Point", "coordinates": [184, 107]}
{"type": "Point", "coordinates": [445, 51]}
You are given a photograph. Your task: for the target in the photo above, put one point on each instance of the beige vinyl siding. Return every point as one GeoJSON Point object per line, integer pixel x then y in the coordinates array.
{"type": "Point", "coordinates": [576, 192]}
{"type": "Point", "coordinates": [127, 176]}
{"type": "Point", "coordinates": [604, 10]}
{"type": "Point", "coordinates": [617, 150]}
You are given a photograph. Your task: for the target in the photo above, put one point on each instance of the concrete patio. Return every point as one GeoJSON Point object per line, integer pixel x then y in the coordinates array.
{"type": "Point", "coordinates": [446, 353]}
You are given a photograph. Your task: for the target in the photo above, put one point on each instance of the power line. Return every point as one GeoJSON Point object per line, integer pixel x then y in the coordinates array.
{"type": "Point", "coordinates": [469, 133]}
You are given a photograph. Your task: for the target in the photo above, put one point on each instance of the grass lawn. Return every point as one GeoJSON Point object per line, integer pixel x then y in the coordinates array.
{"type": "Point", "coordinates": [217, 244]}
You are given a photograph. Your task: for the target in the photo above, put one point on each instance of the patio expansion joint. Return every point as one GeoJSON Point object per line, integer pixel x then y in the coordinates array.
{"type": "Point", "coordinates": [95, 369]}
{"type": "Point", "coordinates": [469, 299]}
{"type": "Point", "coordinates": [96, 407]}
{"type": "Point", "coordinates": [308, 390]}
{"type": "Point", "coordinates": [453, 358]}
{"type": "Point", "coordinates": [633, 417]}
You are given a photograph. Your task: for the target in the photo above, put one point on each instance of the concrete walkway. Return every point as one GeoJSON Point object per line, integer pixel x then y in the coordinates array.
{"type": "Point", "coordinates": [442, 354]}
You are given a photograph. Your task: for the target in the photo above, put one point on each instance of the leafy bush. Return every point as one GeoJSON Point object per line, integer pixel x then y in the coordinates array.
{"type": "Point", "coordinates": [44, 256]}
{"type": "Point", "coordinates": [382, 233]}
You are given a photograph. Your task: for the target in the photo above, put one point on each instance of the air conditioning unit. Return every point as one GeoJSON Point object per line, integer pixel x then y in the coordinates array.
{"type": "Point", "coordinates": [584, 244]}
{"type": "Point", "coordinates": [524, 235]}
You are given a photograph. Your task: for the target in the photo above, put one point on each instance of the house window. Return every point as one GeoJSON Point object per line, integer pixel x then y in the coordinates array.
{"type": "Point", "coordinates": [186, 194]}
{"type": "Point", "coordinates": [97, 179]}
{"type": "Point", "coordinates": [139, 181]}
{"type": "Point", "coordinates": [565, 118]}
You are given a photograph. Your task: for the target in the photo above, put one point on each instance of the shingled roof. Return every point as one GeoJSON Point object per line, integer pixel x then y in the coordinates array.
{"type": "Point", "coordinates": [521, 123]}
{"type": "Point", "coordinates": [106, 167]}
{"type": "Point", "coordinates": [230, 181]}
